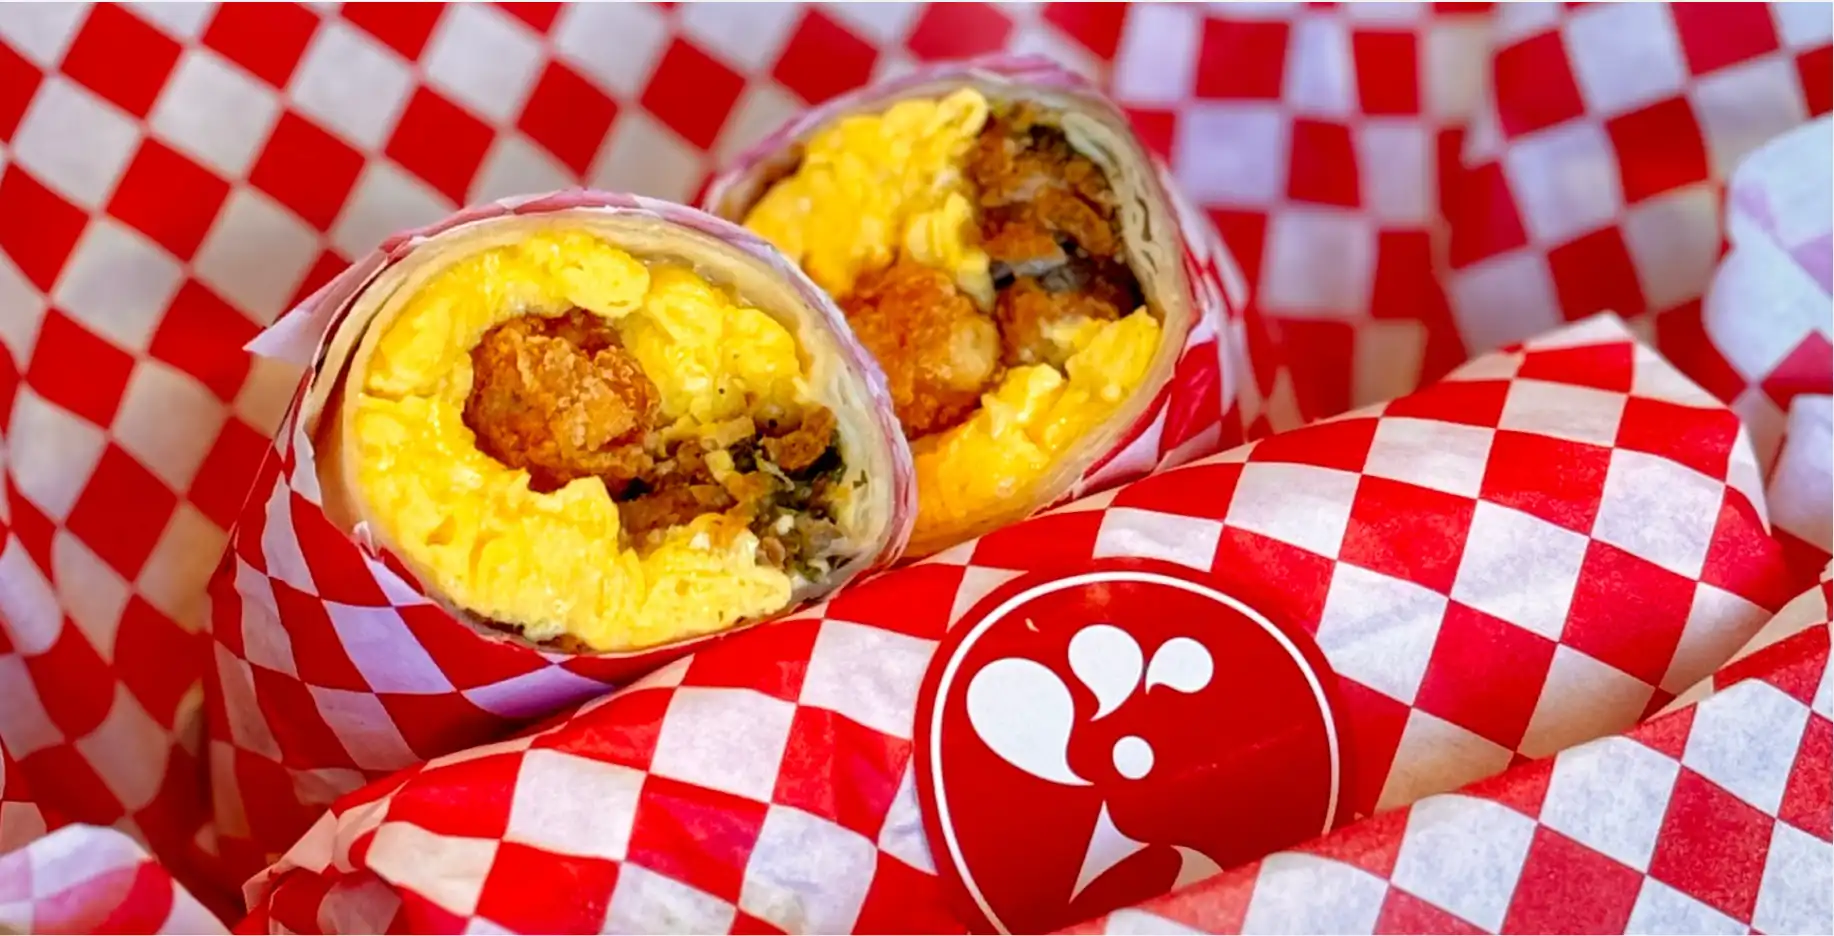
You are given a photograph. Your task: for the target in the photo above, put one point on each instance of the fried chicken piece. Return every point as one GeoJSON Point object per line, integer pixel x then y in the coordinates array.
{"type": "Point", "coordinates": [561, 398]}
{"type": "Point", "coordinates": [1029, 308]}
{"type": "Point", "coordinates": [937, 350]}
{"type": "Point", "coordinates": [1023, 162]}
{"type": "Point", "coordinates": [671, 506]}
{"type": "Point", "coordinates": [802, 446]}
{"type": "Point", "coordinates": [1016, 242]}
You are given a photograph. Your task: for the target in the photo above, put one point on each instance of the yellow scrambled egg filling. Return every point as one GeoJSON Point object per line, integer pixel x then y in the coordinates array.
{"type": "Point", "coordinates": [871, 185]}
{"type": "Point", "coordinates": [554, 563]}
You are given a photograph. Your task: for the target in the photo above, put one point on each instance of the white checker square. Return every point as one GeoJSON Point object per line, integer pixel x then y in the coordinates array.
{"type": "Point", "coordinates": [1657, 379]}
{"type": "Point", "coordinates": [180, 565]}
{"type": "Point", "coordinates": [178, 20]}
{"type": "Point", "coordinates": [1436, 756]}
{"type": "Point", "coordinates": [762, 109]}
{"type": "Point", "coordinates": [352, 84]}
{"type": "Point", "coordinates": [1744, 106]}
{"type": "Point", "coordinates": [730, 740]}
{"type": "Point", "coordinates": [646, 902]}
{"type": "Point", "coordinates": [868, 674]}
{"type": "Point", "coordinates": [1565, 180]}
{"type": "Point", "coordinates": [25, 306]}
{"type": "Point", "coordinates": [1794, 896]}
{"type": "Point", "coordinates": [1659, 510]}
{"type": "Point", "coordinates": [128, 751]}
{"type": "Point", "coordinates": [1503, 545]}
{"type": "Point", "coordinates": [1156, 60]}
{"type": "Point", "coordinates": [1503, 298]}
{"type": "Point", "coordinates": [1719, 622]}
{"type": "Point", "coordinates": [1454, 49]}
{"type": "Point", "coordinates": [1304, 505]}
{"type": "Point", "coordinates": [1624, 56]}
{"type": "Point", "coordinates": [168, 421]}
{"type": "Point", "coordinates": [1443, 456]}
{"type": "Point", "coordinates": [641, 155]}
{"type": "Point", "coordinates": [1320, 80]}
{"type": "Point", "coordinates": [1380, 630]}
{"type": "Point", "coordinates": [92, 593]}
{"type": "Point", "coordinates": [484, 58]}
{"type": "Point", "coordinates": [28, 601]}
{"type": "Point", "coordinates": [1130, 922]}
{"type": "Point", "coordinates": [1745, 739]}
{"type": "Point", "coordinates": [1031, 38]}
{"type": "Point", "coordinates": [1231, 153]}
{"type": "Point", "coordinates": [1563, 411]}
{"type": "Point", "coordinates": [365, 728]}
{"type": "Point", "coordinates": [1801, 25]}
{"type": "Point", "coordinates": [1395, 161]}
{"type": "Point", "coordinates": [1293, 282]}
{"type": "Point", "coordinates": [384, 651]}
{"type": "Point", "coordinates": [881, 24]}
{"type": "Point", "coordinates": [530, 695]}
{"type": "Point", "coordinates": [1661, 909]}
{"type": "Point", "coordinates": [214, 112]}
{"type": "Point", "coordinates": [24, 723]}
{"type": "Point", "coordinates": [42, 31]}
{"type": "Point", "coordinates": [748, 36]}
{"type": "Point", "coordinates": [903, 836]}
{"type": "Point", "coordinates": [20, 824]}
{"type": "Point", "coordinates": [1149, 534]}
{"type": "Point", "coordinates": [1598, 328]}
{"type": "Point", "coordinates": [50, 453]}
{"type": "Point", "coordinates": [977, 583]}
{"type": "Point", "coordinates": [385, 201]}
{"type": "Point", "coordinates": [573, 805]}
{"type": "Point", "coordinates": [1464, 855]}
{"type": "Point", "coordinates": [266, 393]}
{"type": "Point", "coordinates": [248, 728]}
{"type": "Point", "coordinates": [256, 254]}
{"type": "Point", "coordinates": [399, 853]}
{"type": "Point", "coordinates": [1300, 893]}
{"type": "Point", "coordinates": [1610, 796]}
{"type": "Point", "coordinates": [1582, 699]}
{"type": "Point", "coordinates": [806, 874]}
{"type": "Point", "coordinates": [117, 283]}
{"type": "Point", "coordinates": [514, 166]}
{"type": "Point", "coordinates": [1673, 241]}
{"type": "Point", "coordinates": [637, 30]}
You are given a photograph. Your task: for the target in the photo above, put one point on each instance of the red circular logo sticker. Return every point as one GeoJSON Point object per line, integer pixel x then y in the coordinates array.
{"type": "Point", "coordinates": [1091, 741]}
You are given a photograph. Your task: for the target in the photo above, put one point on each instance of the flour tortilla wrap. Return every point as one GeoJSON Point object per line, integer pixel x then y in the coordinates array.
{"type": "Point", "coordinates": [875, 516]}
{"type": "Point", "coordinates": [1154, 234]}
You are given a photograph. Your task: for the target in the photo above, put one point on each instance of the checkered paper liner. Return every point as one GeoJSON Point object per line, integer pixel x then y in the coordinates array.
{"type": "Point", "coordinates": [1469, 600]}
{"type": "Point", "coordinates": [90, 879]}
{"type": "Point", "coordinates": [1229, 384]}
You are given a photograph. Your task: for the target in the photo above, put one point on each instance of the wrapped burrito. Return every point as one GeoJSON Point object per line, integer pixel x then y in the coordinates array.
{"type": "Point", "coordinates": [1006, 249]}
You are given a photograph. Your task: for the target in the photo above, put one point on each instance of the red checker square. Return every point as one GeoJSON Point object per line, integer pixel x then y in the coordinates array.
{"type": "Point", "coordinates": [1711, 846]}
{"type": "Point", "coordinates": [1566, 887]}
{"type": "Point", "coordinates": [1198, 404]}
{"type": "Point", "coordinates": [539, 16]}
{"type": "Point", "coordinates": [629, 740]}
{"type": "Point", "coordinates": [147, 635]}
{"type": "Point", "coordinates": [1715, 35]}
{"type": "Point", "coordinates": [1466, 402]}
{"type": "Point", "coordinates": [1816, 69]}
{"type": "Point", "coordinates": [1241, 59]}
{"type": "Point", "coordinates": [1402, 912]}
{"type": "Point", "coordinates": [204, 336]}
{"type": "Point", "coordinates": [900, 899]}
{"type": "Point", "coordinates": [1342, 444]}
{"type": "Point", "coordinates": [168, 198]}
{"type": "Point", "coordinates": [122, 511]}
{"type": "Point", "coordinates": [1699, 438]}
{"type": "Point", "coordinates": [467, 659]}
{"type": "Point", "coordinates": [10, 381]}
{"type": "Point", "coordinates": [958, 30]}
{"type": "Point", "coordinates": [318, 656]}
{"type": "Point", "coordinates": [38, 229]}
{"type": "Point", "coordinates": [1659, 148]}
{"type": "Point", "coordinates": [307, 169]}
{"type": "Point", "coordinates": [1534, 85]}
{"type": "Point", "coordinates": [823, 58]}
{"type": "Point", "coordinates": [81, 794]}
{"type": "Point", "coordinates": [568, 115]}
{"type": "Point", "coordinates": [1559, 481]}
{"type": "Point", "coordinates": [1803, 558]}
{"type": "Point", "coordinates": [1523, 787]}
{"type": "Point", "coordinates": [436, 723]}
{"type": "Point", "coordinates": [775, 664]}
{"type": "Point", "coordinates": [692, 93]}
{"type": "Point", "coordinates": [484, 784]}
{"type": "Point", "coordinates": [329, 264]}
{"type": "Point", "coordinates": [1374, 723]}
{"type": "Point", "coordinates": [33, 529]}
{"type": "Point", "coordinates": [1681, 336]}
{"type": "Point", "coordinates": [1322, 374]}
{"type": "Point", "coordinates": [339, 572]}
{"type": "Point", "coordinates": [119, 56]}
{"type": "Point", "coordinates": [404, 27]}
{"type": "Point", "coordinates": [1410, 532]}
{"type": "Point", "coordinates": [1387, 71]}
{"type": "Point", "coordinates": [1095, 26]}
{"type": "Point", "coordinates": [294, 901]}
{"type": "Point", "coordinates": [1481, 212]}
{"type": "Point", "coordinates": [77, 370]}
{"type": "Point", "coordinates": [1197, 491]}
{"type": "Point", "coordinates": [1669, 733]}
{"type": "Point", "coordinates": [1638, 637]}
{"type": "Point", "coordinates": [293, 716]}
{"type": "Point", "coordinates": [1804, 370]}
{"type": "Point", "coordinates": [225, 477]}
{"type": "Point", "coordinates": [1515, 661]}
{"type": "Point", "coordinates": [535, 891]}
{"type": "Point", "coordinates": [72, 666]}
{"type": "Point", "coordinates": [698, 836]}
{"type": "Point", "coordinates": [1809, 791]}
{"type": "Point", "coordinates": [917, 601]}
{"type": "Point", "coordinates": [1155, 129]}
{"type": "Point", "coordinates": [19, 80]}
{"type": "Point", "coordinates": [1055, 542]}
{"type": "Point", "coordinates": [1594, 273]}
{"type": "Point", "coordinates": [144, 902]}
{"type": "Point", "coordinates": [1243, 232]}
{"type": "Point", "coordinates": [1608, 366]}
{"type": "Point", "coordinates": [840, 770]}
{"type": "Point", "coordinates": [440, 142]}
{"type": "Point", "coordinates": [1384, 831]}
{"type": "Point", "coordinates": [1323, 164]}
{"type": "Point", "coordinates": [1743, 560]}
{"type": "Point", "coordinates": [1281, 580]}
{"type": "Point", "coordinates": [265, 38]}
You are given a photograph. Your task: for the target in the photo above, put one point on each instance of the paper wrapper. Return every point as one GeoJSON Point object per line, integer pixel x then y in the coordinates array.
{"type": "Point", "coordinates": [1534, 553]}
{"type": "Point", "coordinates": [332, 665]}
{"type": "Point", "coordinates": [1225, 386]}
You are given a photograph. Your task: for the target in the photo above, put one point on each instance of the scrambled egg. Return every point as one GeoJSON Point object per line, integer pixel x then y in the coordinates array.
{"type": "Point", "coordinates": [552, 564]}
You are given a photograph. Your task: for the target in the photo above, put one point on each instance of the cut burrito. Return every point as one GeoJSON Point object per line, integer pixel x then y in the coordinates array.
{"type": "Point", "coordinates": [1005, 250]}
{"type": "Point", "coordinates": [607, 430]}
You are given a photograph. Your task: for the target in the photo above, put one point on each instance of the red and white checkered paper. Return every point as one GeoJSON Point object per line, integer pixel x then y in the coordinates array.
{"type": "Point", "coordinates": [1469, 600]}
{"type": "Point", "coordinates": [174, 176]}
